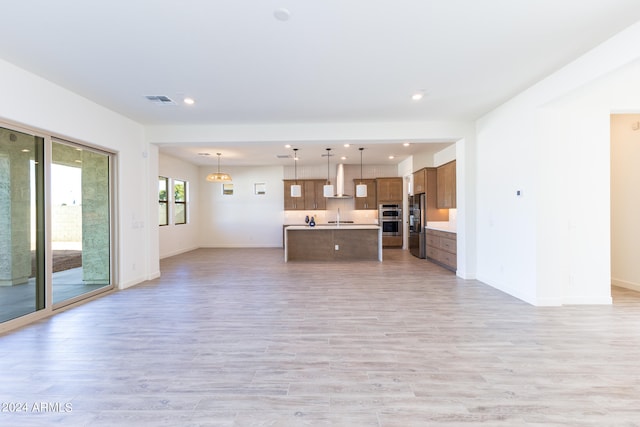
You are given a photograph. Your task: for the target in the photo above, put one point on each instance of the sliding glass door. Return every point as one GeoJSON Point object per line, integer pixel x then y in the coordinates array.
{"type": "Point", "coordinates": [80, 222]}
{"type": "Point", "coordinates": [67, 226]}
{"type": "Point", "coordinates": [22, 285]}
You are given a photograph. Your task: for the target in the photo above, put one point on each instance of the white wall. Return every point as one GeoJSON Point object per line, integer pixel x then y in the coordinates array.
{"type": "Point", "coordinates": [176, 239]}
{"type": "Point", "coordinates": [444, 156]}
{"type": "Point", "coordinates": [625, 203]}
{"type": "Point", "coordinates": [243, 219]}
{"type": "Point", "coordinates": [30, 100]}
{"type": "Point", "coordinates": [551, 245]}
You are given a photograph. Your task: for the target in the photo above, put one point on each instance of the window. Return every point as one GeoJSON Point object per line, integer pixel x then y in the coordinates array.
{"type": "Point", "coordinates": [163, 213]}
{"type": "Point", "coordinates": [180, 202]}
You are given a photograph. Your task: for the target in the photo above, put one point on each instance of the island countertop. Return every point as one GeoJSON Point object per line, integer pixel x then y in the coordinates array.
{"type": "Point", "coordinates": [334, 226]}
{"type": "Point", "coordinates": [333, 242]}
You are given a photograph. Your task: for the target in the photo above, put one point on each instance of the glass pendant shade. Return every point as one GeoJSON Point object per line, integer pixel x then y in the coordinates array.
{"type": "Point", "coordinates": [296, 189]}
{"type": "Point", "coordinates": [361, 190]}
{"type": "Point", "coordinates": [219, 176]}
{"type": "Point", "coordinates": [327, 189]}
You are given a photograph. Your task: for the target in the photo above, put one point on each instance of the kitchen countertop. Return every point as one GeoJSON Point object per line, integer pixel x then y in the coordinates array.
{"type": "Point", "coordinates": [341, 226]}
{"type": "Point", "coordinates": [443, 227]}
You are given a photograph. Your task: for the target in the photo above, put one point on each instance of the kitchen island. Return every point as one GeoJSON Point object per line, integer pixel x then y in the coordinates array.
{"type": "Point", "coordinates": [333, 243]}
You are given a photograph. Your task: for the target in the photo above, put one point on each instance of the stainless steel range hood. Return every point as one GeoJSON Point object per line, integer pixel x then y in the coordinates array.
{"type": "Point", "coordinates": [340, 184]}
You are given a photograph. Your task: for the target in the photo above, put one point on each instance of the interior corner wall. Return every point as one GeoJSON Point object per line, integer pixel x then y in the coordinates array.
{"type": "Point", "coordinates": [551, 244]}
{"type": "Point", "coordinates": [34, 102]}
{"type": "Point", "coordinates": [506, 223]}
{"type": "Point", "coordinates": [174, 238]}
{"type": "Point", "coordinates": [625, 203]}
{"type": "Point", "coordinates": [466, 192]}
{"type": "Point", "coordinates": [244, 219]}
{"type": "Point", "coordinates": [153, 242]}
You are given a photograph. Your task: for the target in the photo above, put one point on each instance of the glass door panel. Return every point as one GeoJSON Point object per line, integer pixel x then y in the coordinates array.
{"type": "Point", "coordinates": [21, 224]}
{"type": "Point", "coordinates": [80, 222]}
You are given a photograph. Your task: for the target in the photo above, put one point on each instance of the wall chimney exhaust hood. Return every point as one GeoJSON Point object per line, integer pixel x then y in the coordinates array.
{"type": "Point", "coordinates": [340, 184]}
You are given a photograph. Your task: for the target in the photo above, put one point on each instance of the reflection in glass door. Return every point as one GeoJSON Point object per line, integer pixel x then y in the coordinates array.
{"type": "Point", "coordinates": [21, 224]}
{"type": "Point", "coordinates": [80, 222]}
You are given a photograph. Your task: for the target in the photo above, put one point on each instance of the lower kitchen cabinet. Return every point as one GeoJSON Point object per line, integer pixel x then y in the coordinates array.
{"type": "Point", "coordinates": [392, 241]}
{"type": "Point", "coordinates": [442, 248]}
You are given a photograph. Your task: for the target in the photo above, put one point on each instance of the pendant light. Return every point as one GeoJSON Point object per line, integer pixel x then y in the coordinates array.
{"type": "Point", "coordinates": [327, 190]}
{"type": "Point", "coordinates": [296, 189]}
{"type": "Point", "coordinates": [361, 189]}
{"type": "Point", "coordinates": [218, 176]}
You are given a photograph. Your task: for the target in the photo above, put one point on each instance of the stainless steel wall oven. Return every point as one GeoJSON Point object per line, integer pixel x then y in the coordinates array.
{"type": "Point", "coordinates": [390, 219]}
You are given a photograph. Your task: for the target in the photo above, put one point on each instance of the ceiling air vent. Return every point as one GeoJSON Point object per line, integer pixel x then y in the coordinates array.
{"type": "Point", "coordinates": [160, 100]}
{"type": "Point", "coordinates": [283, 156]}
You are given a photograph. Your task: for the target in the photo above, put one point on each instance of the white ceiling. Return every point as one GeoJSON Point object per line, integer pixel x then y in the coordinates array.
{"type": "Point", "coordinates": [331, 61]}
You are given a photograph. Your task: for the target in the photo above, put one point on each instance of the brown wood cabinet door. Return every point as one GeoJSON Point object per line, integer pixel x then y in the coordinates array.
{"type": "Point", "coordinates": [320, 200]}
{"type": "Point", "coordinates": [447, 185]}
{"type": "Point", "coordinates": [420, 181]}
{"type": "Point", "coordinates": [369, 202]}
{"type": "Point", "coordinates": [389, 189]}
{"type": "Point", "coordinates": [309, 195]}
{"type": "Point", "coordinates": [292, 203]}
{"type": "Point", "coordinates": [431, 186]}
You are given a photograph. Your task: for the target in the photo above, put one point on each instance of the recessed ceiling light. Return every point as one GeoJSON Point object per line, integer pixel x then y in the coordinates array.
{"type": "Point", "coordinates": [282, 14]}
{"type": "Point", "coordinates": [25, 150]}
{"type": "Point", "coordinates": [343, 158]}
{"type": "Point", "coordinates": [392, 157]}
{"type": "Point", "coordinates": [417, 96]}
{"type": "Point", "coordinates": [287, 146]}
{"type": "Point", "coordinates": [347, 145]}
{"type": "Point", "coordinates": [189, 101]}
{"type": "Point", "coordinates": [406, 144]}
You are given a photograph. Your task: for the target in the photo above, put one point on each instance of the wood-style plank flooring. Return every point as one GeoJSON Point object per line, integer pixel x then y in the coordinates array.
{"type": "Point", "coordinates": [237, 337]}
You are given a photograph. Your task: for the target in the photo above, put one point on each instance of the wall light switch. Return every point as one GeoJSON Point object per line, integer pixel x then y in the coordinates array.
{"type": "Point", "coordinates": [337, 247]}
{"type": "Point", "coordinates": [518, 193]}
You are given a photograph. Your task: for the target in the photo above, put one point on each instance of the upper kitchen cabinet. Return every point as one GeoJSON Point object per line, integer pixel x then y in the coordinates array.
{"type": "Point", "coordinates": [425, 181]}
{"type": "Point", "coordinates": [311, 199]}
{"type": "Point", "coordinates": [292, 203]}
{"type": "Point", "coordinates": [447, 185]}
{"type": "Point", "coordinates": [369, 202]}
{"type": "Point", "coordinates": [420, 181]}
{"type": "Point", "coordinates": [313, 195]}
{"type": "Point", "coordinates": [389, 189]}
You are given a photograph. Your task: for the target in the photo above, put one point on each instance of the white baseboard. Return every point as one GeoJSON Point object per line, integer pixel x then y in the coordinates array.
{"type": "Point", "coordinates": [241, 246]}
{"type": "Point", "coordinates": [464, 275]}
{"type": "Point", "coordinates": [178, 252]}
{"type": "Point", "coordinates": [514, 293]}
{"type": "Point", "coordinates": [604, 300]}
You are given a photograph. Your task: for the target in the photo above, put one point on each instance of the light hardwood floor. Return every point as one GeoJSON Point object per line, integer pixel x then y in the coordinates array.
{"type": "Point", "coordinates": [240, 338]}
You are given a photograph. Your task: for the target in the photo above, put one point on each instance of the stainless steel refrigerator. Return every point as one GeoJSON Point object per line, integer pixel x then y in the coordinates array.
{"type": "Point", "coordinates": [417, 222]}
